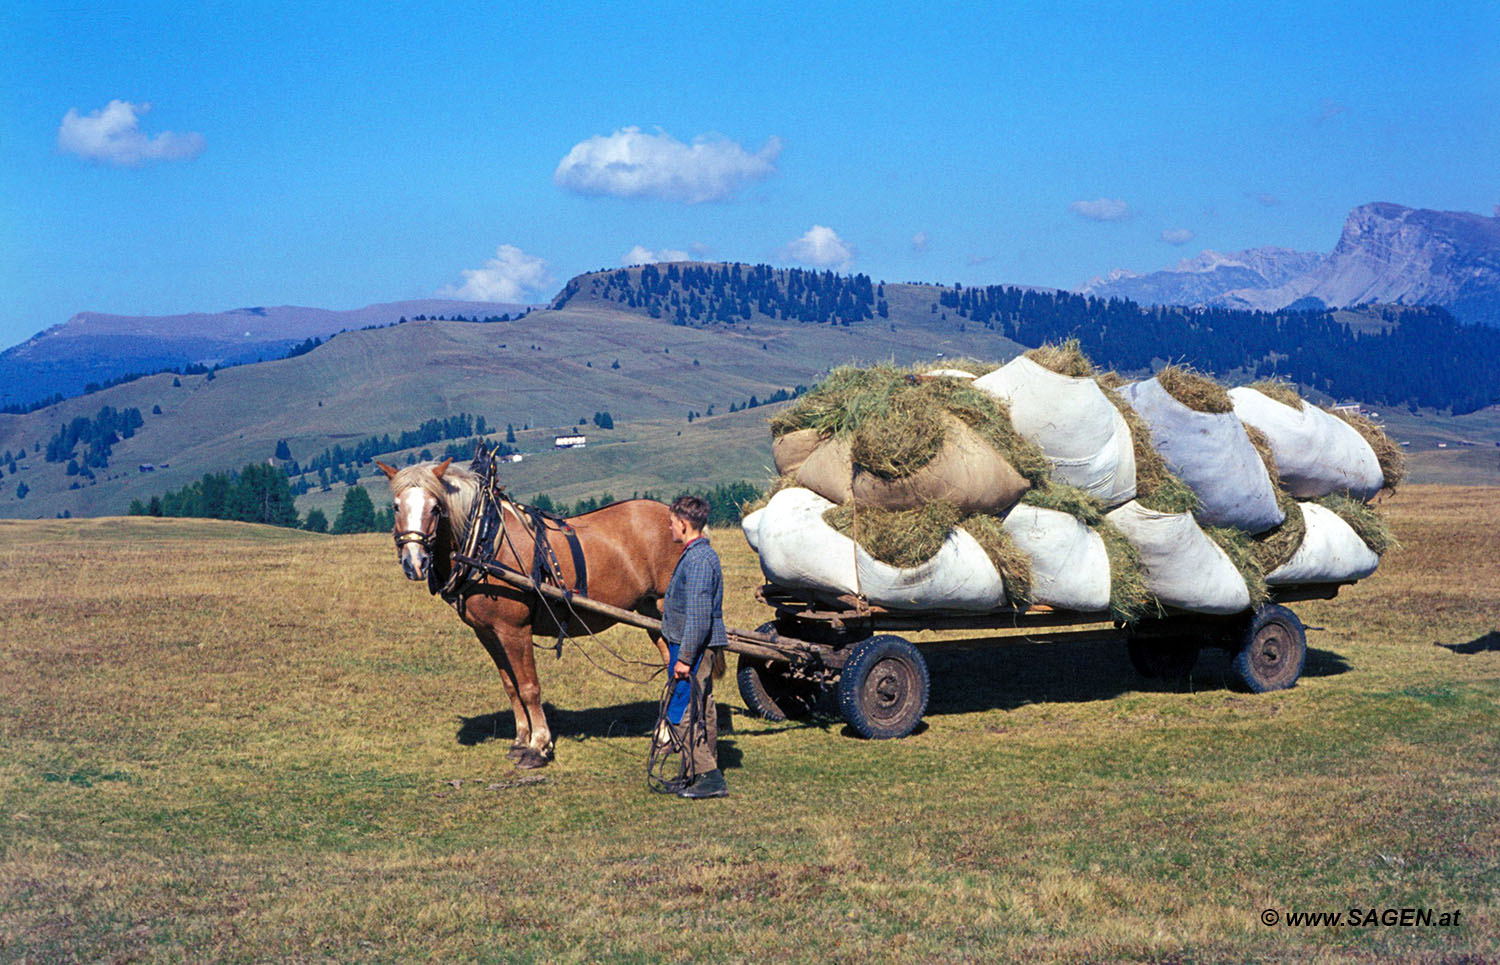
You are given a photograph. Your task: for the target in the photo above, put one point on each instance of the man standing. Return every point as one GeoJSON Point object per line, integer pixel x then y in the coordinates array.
{"type": "Point", "coordinates": [693, 624]}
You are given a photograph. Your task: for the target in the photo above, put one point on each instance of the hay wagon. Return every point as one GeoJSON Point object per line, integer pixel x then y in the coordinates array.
{"type": "Point", "coordinates": [847, 650]}
{"type": "Point", "coordinates": [852, 652]}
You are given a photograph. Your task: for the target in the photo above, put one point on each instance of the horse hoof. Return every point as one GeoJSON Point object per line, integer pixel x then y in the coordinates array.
{"type": "Point", "coordinates": [531, 760]}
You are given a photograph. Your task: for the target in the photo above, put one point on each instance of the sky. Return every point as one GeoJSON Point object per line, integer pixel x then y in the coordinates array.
{"type": "Point", "coordinates": [173, 158]}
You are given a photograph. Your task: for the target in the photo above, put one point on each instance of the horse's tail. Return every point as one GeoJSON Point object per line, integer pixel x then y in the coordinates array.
{"type": "Point", "coordinates": [719, 664]}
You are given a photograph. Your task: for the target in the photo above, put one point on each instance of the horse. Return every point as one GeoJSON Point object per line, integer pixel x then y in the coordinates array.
{"type": "Point", "coordinates": [628, 556]}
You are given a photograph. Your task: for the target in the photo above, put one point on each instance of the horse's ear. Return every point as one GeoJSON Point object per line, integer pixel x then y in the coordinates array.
{"type": "Point", "coordinates": [438, 470]}
{"type": "Point", "coordinates": [390, 473]}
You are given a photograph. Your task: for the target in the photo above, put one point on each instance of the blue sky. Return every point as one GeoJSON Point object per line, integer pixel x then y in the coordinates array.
{"type": "Point", "coordinates": [341, 154]}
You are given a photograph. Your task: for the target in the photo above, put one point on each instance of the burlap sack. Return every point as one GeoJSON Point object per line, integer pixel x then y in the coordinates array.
{"type": "Point", "coordinates": [966, 472]}
{"type": "Point", "coordinates": [828, 471]}
{"type": "Point", "coordinates": [791, 450]}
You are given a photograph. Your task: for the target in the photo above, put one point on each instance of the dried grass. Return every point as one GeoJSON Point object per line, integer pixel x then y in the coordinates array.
{"type": "Point", "coordinates": [1110, 379]}
{"type": "Point", "coordinates": [1012, 562]}
{"type": "Point", "coordinates": [1240, 548]}
{"type": "Point", "coordinates": [1194, 389]}
{"type": "Point", "coordinates": [1066, 358]}
{"type": "Point", "coordinates": [1392, 459]}
{"type": "Point", "coordinates": [1276, 545]}
{"type": "Point", "coordinates": [1083, 506]}
{"type": "Point", "coordinates": [1365, 520]}
{"type": "Point", "coordinates": [1263, 446]}
{"type": "Point", "coordinates": [1281, 390]}
{"type": "Point", "coordinates": [1157, 487]}
{"type": "Point", "coordinates": [906, 538]}
{"type": "Point", "coordinates": [1129, 599]}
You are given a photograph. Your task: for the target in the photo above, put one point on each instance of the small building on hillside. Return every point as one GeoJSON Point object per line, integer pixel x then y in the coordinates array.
{"type": "Point", "coordinates": [570, 442]}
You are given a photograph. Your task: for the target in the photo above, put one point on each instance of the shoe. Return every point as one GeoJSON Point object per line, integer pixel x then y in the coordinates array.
{"type": "Point", "coordinates": [707, 785]}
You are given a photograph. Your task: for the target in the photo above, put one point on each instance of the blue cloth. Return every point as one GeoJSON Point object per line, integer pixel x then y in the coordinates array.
{"type": "Point", "coordinates": [693, 611]}
{"type": "Point", "coordinates": [682, 690]}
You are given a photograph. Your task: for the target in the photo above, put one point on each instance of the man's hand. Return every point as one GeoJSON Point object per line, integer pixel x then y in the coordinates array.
{"type": "Point", "coordinates": [681, 671]}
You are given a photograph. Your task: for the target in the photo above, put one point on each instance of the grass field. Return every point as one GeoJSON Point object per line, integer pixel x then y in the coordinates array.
{"type": "Point", "coordinates": [226, 742]}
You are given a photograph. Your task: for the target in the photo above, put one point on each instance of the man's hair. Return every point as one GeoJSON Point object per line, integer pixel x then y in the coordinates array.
{"type": "Point", "coordinates": [692, 509]}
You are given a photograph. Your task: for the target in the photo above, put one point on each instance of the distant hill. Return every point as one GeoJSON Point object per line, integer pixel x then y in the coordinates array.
{"type": "Point", "coordinates": [92, 347]}
{"type": "Point", "coordinates": [681, 358]}
{"type": "Point", "coordinates": [1386, 254]}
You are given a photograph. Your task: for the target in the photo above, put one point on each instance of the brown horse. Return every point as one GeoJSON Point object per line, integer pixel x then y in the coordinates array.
{"type": "Point", "coordinates": [627, 549]}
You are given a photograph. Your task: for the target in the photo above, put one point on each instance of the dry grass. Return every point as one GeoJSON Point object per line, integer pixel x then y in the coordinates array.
{"type": "Point", "coordinates": [1129, 599]}
{"type": "Point", "coordinates": [1012, 562]}
{"type": "Point", "coordinates": [1195, 390]}
{"type": "Point", "coordinates": [775, 486]}
{"type": "Point", "coordinates": [1066, 358]}
{"type": "Point", "coordinates": [1281, 390]}
{"type": "Point", "coordinates": [1267, 457]}
{"type": "Point", "coordinates": [1240, 547]}
{"type": "Point", "coordinates": [1078, 503]}
{"type": "Point", "coordinates": [1392, 458]}
{"type": "Point", "coordinates": [1157, 487]}
{"type": "Point", "coordinates": [228, 743]}
{"type": "Point", "coordinates": [1277, 545]}
{"type": "Point", "coordinates": [1364, 519]}
{"type": "Point", "coordinates": [904, 538]}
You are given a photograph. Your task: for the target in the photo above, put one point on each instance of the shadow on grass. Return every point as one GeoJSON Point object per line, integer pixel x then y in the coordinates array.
{"type": "Point", "coordinates": [1484, 644]}
{"type": "Point", "coordinates": [1001, 674]}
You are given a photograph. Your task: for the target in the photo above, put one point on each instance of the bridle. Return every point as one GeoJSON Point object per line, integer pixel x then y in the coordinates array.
{"type": "Point", "coordinates": [421, 537]}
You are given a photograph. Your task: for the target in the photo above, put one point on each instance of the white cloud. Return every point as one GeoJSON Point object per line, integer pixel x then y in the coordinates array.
{"type": "Point", "coordinates": [112, 134]}
{"type": "Point", "coordinates": [1104, 209]}
{"type": "Point", "coordinates": [641, 255]}
{"type": "Point", "coordinates": [822, 248]}
{"type": "Point", "coordinates": [919, 242]}
{"type": "Point", "coordinates": [507, 277]}
{"type": "Point", "coordinates": [1177, 236]}
{"type": "Point", "coordinates": [630, 164]}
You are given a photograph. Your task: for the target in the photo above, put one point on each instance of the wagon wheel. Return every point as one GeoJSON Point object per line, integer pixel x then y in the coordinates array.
{"type": "Point", "coordinates": [882, 690]}
{"type": "Point", "coordinates": [1162, 658]}
{"type": "Point", "coordinates": [769, 690]}
{"type": "Point", "coordinates": [1273, 650]}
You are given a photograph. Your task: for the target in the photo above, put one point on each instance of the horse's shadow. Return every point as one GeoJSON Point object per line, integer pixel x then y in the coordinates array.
{"type": "Point", "coordinates": [634, 719]}
{"type": "Point", "coordinates": [1481, 644]}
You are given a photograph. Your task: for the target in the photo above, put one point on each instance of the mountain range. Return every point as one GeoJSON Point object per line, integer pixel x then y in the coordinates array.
{"type": "Point", "coordinates": [93, 347]}
{"type": "Point", "coordinates": [1387, 254]}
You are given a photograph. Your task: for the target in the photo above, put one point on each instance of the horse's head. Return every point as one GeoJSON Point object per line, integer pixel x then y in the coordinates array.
{"type": "Point", "coordinates": [416, 494]}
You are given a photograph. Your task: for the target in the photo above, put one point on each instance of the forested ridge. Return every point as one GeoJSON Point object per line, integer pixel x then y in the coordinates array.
{"type": "Point", "coordinates": [1409, 356]}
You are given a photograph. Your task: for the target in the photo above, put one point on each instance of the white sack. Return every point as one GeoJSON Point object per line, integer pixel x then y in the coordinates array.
{"type": "Point", "coordinates": [798, 549]}
{"type": "Point", "coordinates": [951, 373]}
{"type": "Point", "coordinates": [750, 526]}
{"type": "Point", "coordinates": [1316, 453]}
{"type": "Point", "coordinates": [959, 577]}
{"type": "Point", "coordinates": [1184, 567]}
{"type": "Point", "coordinates": [1331, 552]}
{"type": "Point", "coordinates": [1212, 454]}
{"type": "Point", "coordinates": [1079, 430]}
{"type": "Point", "coordinates": [1069, 565]}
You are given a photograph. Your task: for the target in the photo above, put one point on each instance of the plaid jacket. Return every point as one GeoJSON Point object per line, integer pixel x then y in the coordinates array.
{"type": "Point", "coordinates": [693, 611]}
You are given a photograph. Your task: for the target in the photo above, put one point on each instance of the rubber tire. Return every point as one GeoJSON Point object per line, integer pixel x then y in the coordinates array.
{"type": "Point", "coordinates": [1162, 658]}
{"type": "Point", "coordinates": [1272, 651]}
{"type": "Point", "coordinates": [768, 692]}
{"type": "Point", "coordinates": [883, 688]}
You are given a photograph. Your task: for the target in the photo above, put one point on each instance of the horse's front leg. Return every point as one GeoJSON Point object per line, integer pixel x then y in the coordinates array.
{"type": "Point", "coordinates": [496, 650]}
{"type": "Point", "coordinates": [522, 656]}
{"type": "Point", "coordinates": [652, 608]}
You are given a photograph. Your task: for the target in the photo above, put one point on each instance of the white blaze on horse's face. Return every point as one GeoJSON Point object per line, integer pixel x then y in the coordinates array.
{"type": "Point", "coordinates": [415, 513]}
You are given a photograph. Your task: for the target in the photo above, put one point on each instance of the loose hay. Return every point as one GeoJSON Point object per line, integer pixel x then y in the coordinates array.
{"type": "Point", "coordinates": [1392, 459]}
{"type": "Point", "coordinates": [1064, 359]}
{"type": "Point", "coordinates": [1083, 506]}
{"type": "Point", "coordinates": [1240, 548]}
{"type": "Point", "coordinates": [1277, 545]}
{"type": "Point", "coordinates": [1194, 390]}
{"type": "Point", "coordinates": [1281, 390]}
{"type": "Point", "coordinates": [1263, 446]}
{"type": "Point", "coordinates": [1129, 599]}
{"type": "Point", "coordinates": [1157, 487]}
{"type": "Point", "coordinates": [907, 538]}
{"type": "Point", "coordinates": [1365, 520]}
{"type": "Point", "coordinates": [1014, 565]}
{"type": "Point", "coordinates": [1110, 379]}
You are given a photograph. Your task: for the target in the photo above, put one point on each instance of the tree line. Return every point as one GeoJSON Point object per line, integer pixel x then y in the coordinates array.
{"type": "Point", "coordinates": [98, 436]}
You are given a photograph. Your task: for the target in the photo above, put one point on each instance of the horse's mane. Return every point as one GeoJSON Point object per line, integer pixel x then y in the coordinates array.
{"type": "Point", "coordinates": [455, 492]}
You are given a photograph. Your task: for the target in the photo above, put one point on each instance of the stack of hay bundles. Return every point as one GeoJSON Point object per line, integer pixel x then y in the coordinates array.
{"type": "Point", "coordinates": [1044, 482]}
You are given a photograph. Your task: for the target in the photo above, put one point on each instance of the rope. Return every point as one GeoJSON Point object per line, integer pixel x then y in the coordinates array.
{"type": "Point", "coordinates": [669, 740]}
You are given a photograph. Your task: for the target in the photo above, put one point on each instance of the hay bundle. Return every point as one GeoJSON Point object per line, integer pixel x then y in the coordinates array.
{"type": "Point", "coordinates": [1012, 562]}
{"type": "Point", "coordinates": [1182, 566]}
{"type": "Point", "coordinates": [1365, 520]}
{"type": "Point", "coordinates": [1086, 440]}
{"type": "Point", "coordinates": [1194, 428]}
{"type": "Point", "coordinates": [1392, 460]}
{"type": "Point", "coordinates": [1156, 486]}
{"type": "Point", "coordinates": [1277, 545]}
{"type": "Point", "coordinates": [1070, 566]}
{"type": "Point", "coordinates": [895, 440]}
{"type": "Point", "coordinates": [1239, 546]}
{"type": "Point", "coordinates": [798, 549]}
{"type": "Point", "coordinates": [1330, 552]}
{"type": "Point", "coordinates": [1315, 454]}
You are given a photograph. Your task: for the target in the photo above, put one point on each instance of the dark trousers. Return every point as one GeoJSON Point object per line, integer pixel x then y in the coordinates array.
{"type": "Point", "coordinates": [705, 754]}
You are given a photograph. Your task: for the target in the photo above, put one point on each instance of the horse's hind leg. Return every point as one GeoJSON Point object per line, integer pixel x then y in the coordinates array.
{"type": "Point", "coordinates": [497, 653]}
{"type": "Point", "coordinates": [652, 609]}
{"type": "Point", "coordinates": [519, 652]}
